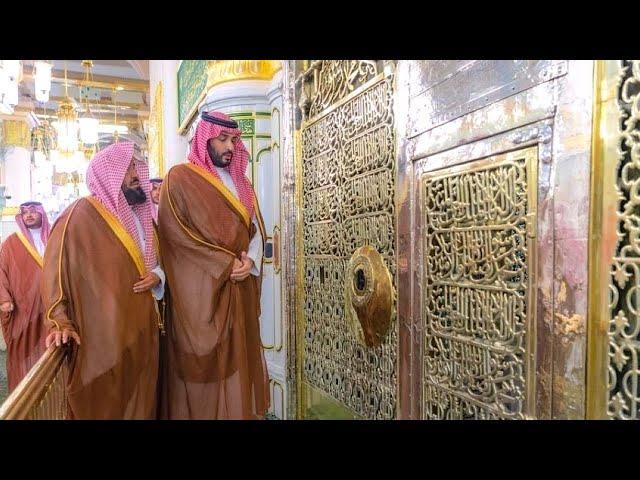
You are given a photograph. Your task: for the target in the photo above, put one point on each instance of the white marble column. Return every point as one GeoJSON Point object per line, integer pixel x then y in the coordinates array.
{"type": "Point", "coordinates": [18, 175]}
{"type": "Point", "coordinates": [174, 144]}
{"type": "Point", "coordinates": [276, 357]}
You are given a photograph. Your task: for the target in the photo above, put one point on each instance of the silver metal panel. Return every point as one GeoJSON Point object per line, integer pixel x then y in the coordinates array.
{"type": "Point", "coordinates": [473, 85]}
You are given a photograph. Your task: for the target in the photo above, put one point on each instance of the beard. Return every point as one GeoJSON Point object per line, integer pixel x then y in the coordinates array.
{"type": "Point", "coordinates": [135, 196]}
{"type": "Point", "coordinates": [218, 160]}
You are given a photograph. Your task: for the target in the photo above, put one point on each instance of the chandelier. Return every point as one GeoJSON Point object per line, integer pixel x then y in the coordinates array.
{"type": "Point", "coordinates": [67, 128]}
{"type": "Point", "coordinates": [88, 124]}
{"type": "Point", "coordinates": [67, 124]}
{"type": "Point", "coordinates": [88, 130]}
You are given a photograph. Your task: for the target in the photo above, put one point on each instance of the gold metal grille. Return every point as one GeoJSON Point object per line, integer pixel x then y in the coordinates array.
{"type": "Point", "coordinates": [624, 300]}
{"type": "Point", "coordinates": [348, 195]}
{"type": "Point", "coordinates": [479, 261]}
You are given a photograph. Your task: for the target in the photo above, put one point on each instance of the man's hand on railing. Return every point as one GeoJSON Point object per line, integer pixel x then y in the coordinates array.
{"type": "Point", "coordinates": [63, 336]}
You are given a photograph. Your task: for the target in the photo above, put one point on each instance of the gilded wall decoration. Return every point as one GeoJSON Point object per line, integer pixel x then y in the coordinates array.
{"type": "Point", "coordinates": [156, 133]}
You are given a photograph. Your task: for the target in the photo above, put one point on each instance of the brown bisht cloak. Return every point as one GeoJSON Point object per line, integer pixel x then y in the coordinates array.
{"type": "Point", "coordinates": [215, 365]}
{"type": "Point", "coordinates": [24, 329]}
{"type": "Point", "coordinates": [90, 266]}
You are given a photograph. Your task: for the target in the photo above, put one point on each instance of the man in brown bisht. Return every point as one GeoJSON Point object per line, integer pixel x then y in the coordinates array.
{"type": "Point", "coordinates": [21, 310]}
{"type": "Point", "coordinates": [100, 284]}
{"type": "Point", "coordinates": [211, 235]}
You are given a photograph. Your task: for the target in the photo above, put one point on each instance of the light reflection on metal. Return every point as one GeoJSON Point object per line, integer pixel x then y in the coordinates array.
{"type": "Point", "coordinates": [368, 294]}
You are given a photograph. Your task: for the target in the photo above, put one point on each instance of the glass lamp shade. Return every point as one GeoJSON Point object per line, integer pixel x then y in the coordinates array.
{"type": "Point", "coordinates": [89, 130]}
{"type": "Point", "coordinates": [13, 68]}
{"type": "Point", "coordinates": [67, 128]}
{"type": "Point", "coordinates": [42, 81]}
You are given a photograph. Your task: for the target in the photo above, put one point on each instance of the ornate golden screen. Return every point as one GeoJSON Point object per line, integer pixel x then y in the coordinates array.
{"type": "Point", "coordinates": [348, 201]}
{"type": "Point", "coordinates": [478, 245]}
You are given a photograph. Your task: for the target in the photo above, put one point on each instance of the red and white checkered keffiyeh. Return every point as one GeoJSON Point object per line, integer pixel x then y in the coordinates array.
{"type": "Point", "coordinates": [199, 155]}
{"type": "Point", "coordinates": [44, 232]}
{"type": "Point", "coordinates": [105, 175]}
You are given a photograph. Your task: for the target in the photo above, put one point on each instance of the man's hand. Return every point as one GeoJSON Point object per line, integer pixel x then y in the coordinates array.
{"type": "Point", "coordinates": [59, 337]}
{"type": "Point", "coordinates": [236, 264]}
{"type": "Point", "coordinates": [147, 282]}
{"type": "Point", "coordinates": [6, 307]}
{"type": "Point", "coordinates": [242, 268]}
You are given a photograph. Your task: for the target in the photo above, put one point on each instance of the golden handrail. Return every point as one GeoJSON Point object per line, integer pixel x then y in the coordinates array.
{"type": "Point", "coordinates": [42, 393]}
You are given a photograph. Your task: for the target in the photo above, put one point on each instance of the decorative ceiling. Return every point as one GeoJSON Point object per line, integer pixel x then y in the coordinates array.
{"type": "Point", "coordinates": [117, 87]}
